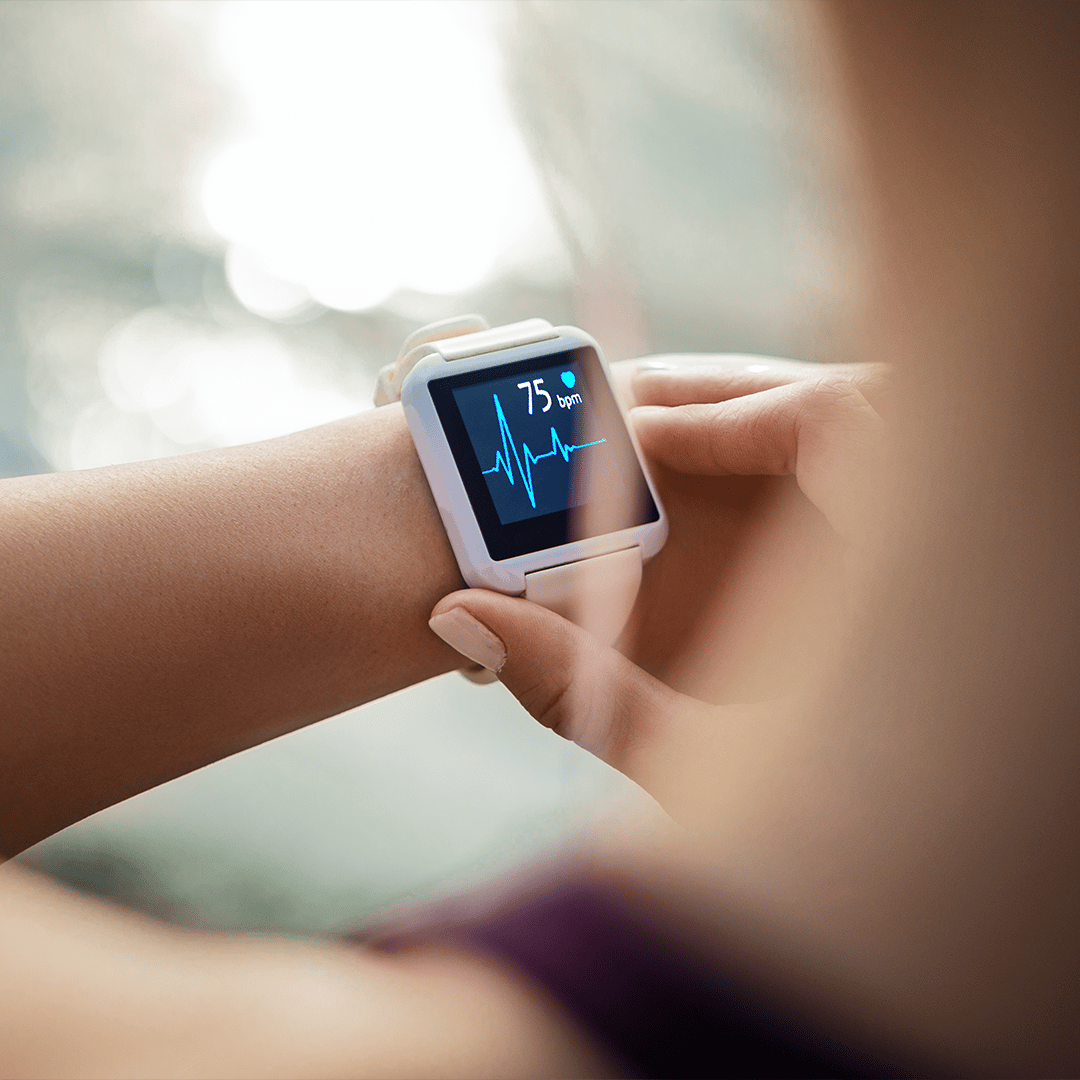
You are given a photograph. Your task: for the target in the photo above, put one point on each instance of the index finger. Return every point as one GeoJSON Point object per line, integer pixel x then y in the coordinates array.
{"type": "Point", "coordinates": [707, 379]}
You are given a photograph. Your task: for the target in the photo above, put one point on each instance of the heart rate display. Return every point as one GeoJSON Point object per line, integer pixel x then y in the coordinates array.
{"type": "Point", "coordinates": [530, 435]}
{"type": "Point", "coordinates": [509, 448]}
{"type": "Point", "coordinates": [535, 441]}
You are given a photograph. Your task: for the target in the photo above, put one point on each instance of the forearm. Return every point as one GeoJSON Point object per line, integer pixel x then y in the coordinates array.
{"type": "Point", "coordinates": [163, 615]}
{"type": "Point", "coordinates": [89, 990]}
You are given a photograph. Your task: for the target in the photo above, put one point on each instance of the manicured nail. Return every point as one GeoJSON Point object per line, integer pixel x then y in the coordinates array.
{"type": "Point", "coordinates": [654, 365]}
{"type": "Point", "coordinates": [470, 637]}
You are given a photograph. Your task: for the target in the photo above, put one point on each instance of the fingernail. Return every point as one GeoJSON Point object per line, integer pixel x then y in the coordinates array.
{"type": "Point", "coordinates": [470, 637]}
{"type": "Point", "coordinates": [654, 365]}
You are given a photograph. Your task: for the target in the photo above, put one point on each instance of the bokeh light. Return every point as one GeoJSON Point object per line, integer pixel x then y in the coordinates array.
{"type": "Point", "coordinates": [377, 153]}
{"type": "Point", "coordinates": [205, 386]}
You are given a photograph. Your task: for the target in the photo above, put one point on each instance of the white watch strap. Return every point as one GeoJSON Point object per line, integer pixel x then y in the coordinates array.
{"type": "Point", "coordinates": [597, 594]}
{"type": "Point", "coordinates": [455, 339]}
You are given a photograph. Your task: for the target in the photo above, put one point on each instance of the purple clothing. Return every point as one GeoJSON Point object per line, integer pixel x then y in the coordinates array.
{"type": "Point", "coordinates": [641, 994]}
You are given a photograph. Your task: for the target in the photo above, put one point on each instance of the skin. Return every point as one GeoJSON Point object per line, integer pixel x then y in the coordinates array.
{"type": "Point", "coordinates": [241, 565]}
{"type": "Point", "coordinates": [90, 991]}
{"type": "Point", "coordinates": [235, 595]}
{"type": "Point", "coordinates": [255, 568]}
{"type": "Point", "coordinates": [722, 416]}
{"type": "Point", "coordinates": [200, 605]}
{"type": "Point", "coordinates": [907, 824]}
{"type": "Point", "coordinates": [894, 846]}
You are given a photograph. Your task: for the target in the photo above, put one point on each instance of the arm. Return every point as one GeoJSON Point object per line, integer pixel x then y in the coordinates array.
{"type": "Point", "coordinates": [711, 419]}
{"type": "Point", "coordinates": [88, 990]}
{"type": "Point", "coordinates": [908, 829]}
{"type": "Point", "coordinates": [157, 617]}
{"type": "Point", "coordinates": [160, 616]}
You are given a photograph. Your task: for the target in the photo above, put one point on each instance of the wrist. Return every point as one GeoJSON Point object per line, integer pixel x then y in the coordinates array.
{"type": "Point", "coordinates": [356, 555]}
{"type": "Point", "coordinates": [220, 599]}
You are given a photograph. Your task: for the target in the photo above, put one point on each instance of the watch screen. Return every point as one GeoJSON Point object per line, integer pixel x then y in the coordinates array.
{"type": "Point", "coordinates": [543, 452]}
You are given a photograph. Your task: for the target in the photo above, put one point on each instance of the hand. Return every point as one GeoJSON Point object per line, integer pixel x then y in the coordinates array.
{"type": "Point", "coordinates": [719, 416]}
{"type": "Point", "coordinates": [745, 415]}
{"type": "Point", "coordinates": [734, 607]}
{"type": "Point", "coordinates": [663, 740]}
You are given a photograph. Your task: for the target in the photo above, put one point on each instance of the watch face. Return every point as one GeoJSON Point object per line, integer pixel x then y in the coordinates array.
{"type": "Point", "coordinates": [543, 452]}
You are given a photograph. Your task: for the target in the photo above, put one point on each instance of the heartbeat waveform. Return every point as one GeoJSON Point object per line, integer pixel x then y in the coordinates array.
{"type": "Point", "coordinates": [502, 457]}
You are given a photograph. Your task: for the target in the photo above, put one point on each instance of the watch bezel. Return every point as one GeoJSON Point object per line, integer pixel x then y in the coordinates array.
{"type": "Point", "coordinates": [478, 566]}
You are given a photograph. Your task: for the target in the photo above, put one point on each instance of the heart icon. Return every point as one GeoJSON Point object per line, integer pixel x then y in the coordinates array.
{"type": "Point", "coordinates": [569, 379]}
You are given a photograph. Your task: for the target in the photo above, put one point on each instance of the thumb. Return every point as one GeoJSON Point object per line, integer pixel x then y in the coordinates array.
{"type": "Point", "coordinates": [565, 678]}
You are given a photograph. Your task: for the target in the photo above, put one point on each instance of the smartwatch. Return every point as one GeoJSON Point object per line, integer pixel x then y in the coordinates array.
{"type": "Point", "coordinates": [532, 462]}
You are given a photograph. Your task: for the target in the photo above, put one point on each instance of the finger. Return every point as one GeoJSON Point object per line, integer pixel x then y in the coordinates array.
{"type": "Point", "coordinates": [684, 380]}
{"type": "Point", "coordinates": [825, 433]}
{"type": "Point", "coordinates": [755, 435]}
{"type": "Point", "coordinates": [759, 434]}
{"type": "Point", "coordinates": [622, 374]}
{"type": "Point", "coordinates": [566, 680]}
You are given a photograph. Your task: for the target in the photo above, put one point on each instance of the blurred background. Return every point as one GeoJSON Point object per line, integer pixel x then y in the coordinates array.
{"type": "Point", "coordinates": [219, 219]}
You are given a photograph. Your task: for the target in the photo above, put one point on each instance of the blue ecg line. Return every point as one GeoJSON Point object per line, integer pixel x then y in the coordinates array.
{"type": "Point", "coordinates": [502, 457]}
